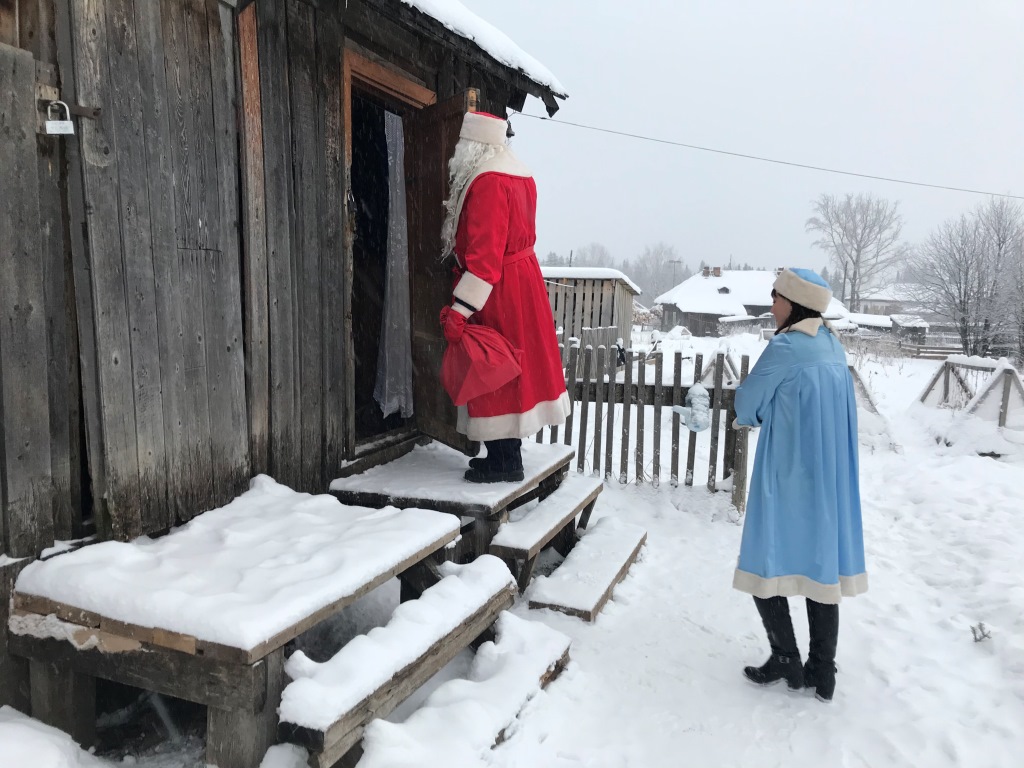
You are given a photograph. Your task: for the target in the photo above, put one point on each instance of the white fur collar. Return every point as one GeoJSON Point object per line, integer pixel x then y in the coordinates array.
{"type": "Point", "coordinates": [808, 325]}
{"type": "Point", "coordinates": [503, 162]}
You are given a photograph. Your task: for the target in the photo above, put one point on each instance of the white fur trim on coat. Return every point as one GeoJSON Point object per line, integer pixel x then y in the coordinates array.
{"type": "Point", "coordinates": [487, 129]}
{"type": "Point", "coordinates": [546, 414]}
{"type": "Point", "coordinates": [793, 287]}
{"type": "Point", "coordinates": [472, 290]}
{"type": "Point", "coordinates": [793, 586]}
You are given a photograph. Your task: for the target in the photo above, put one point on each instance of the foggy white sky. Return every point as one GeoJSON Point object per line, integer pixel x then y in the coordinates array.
{"type": "Point", "coordinates": [929, 90]}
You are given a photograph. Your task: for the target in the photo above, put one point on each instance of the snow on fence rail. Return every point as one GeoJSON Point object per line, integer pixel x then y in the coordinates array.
{"type": "Point", "coordinates": [609, 420]}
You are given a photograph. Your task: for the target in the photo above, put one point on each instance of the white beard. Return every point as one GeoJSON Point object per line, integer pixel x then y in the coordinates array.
{"type": "Point", "coordinates": [469, 155]}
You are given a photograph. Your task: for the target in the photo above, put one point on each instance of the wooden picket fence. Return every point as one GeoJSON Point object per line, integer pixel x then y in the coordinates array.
{"type": "Point", "coordinates": [595, 391]}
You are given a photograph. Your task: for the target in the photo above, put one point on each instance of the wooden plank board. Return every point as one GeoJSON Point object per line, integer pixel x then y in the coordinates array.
{"type": "Point", "coordinates": [716, 419]}
{"type": "Point", "coordinates": [584, 582]}
{"type": "Point", "coordinates": [581, 453]}
{"type": "Point", "coordinates": [254, 236]}
{"type": "Point", "coordinates": [691, 446]}
{"type": "Point", "coordinates": [25, 481]}
{"type": "Point", "coordinates": [307, 175]}
{"type": "Point", "coordinates": [45, 606]}
{"type": "Point", "coordinates": [333, 743]}
{"type": "Point", "coordinates": [126, 123]}
{"type": "Point", "coordinates": [612, 370]}
{"type": "Point", "coordinates": [225, 359]}
{"type": "Point", "coordinates": [599, 400]}
{"type": "Point", "coordinates": [153, 101]}
{"type": "Point", "coordinates": [334, 250]}
{"type": "Point", "coordinates": [193, 678]}
{"type": "Point", "coordinates": [277, 165]}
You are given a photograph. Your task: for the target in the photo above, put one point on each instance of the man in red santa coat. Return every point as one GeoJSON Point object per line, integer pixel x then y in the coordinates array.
{"type": "Point", "coordinates": [491, 227]}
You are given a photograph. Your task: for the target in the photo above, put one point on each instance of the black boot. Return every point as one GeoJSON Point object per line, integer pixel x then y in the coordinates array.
{"type": "Point", "coordinates": [784, 663]}
{"type": "Point", "coordinates": [820, 670]}
{"type": "Point", "coordinates": [503, 463]}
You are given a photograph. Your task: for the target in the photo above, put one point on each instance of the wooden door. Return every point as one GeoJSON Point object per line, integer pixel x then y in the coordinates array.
{"type": "Point", "coordinates": [431, 135]}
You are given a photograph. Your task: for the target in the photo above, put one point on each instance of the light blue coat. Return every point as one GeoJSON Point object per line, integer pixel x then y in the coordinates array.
{"type": "Point", "coordinates": [802, 534]}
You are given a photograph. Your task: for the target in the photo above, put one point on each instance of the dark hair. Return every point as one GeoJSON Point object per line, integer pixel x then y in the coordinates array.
{"type": "Point", "coordinates": [798, 313]}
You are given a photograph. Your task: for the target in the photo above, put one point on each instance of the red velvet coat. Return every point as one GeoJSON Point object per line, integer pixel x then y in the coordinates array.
{"type": "Point", "coordinates": [494, 241]}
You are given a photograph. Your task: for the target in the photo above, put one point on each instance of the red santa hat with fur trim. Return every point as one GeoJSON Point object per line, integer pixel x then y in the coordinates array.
{"type": "Point", "coordinates": [484, 127]}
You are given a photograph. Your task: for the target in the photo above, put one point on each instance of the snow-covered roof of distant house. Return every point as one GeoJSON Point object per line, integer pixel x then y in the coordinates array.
{"type": "Point", "coordinates": [738, 319]}
{"type": "Point", "coordinates": [588, 273]}
{"type": "Point", "coordinates": [909, 321]}
{"type": "Point", "coordinates": [896, 292]}
{"type": "Point", "coordinates": [731, 294]}
{"type": "Point", "coordinates": [870, 321]}
{"type": "Point", "coordinates": [453, 15]}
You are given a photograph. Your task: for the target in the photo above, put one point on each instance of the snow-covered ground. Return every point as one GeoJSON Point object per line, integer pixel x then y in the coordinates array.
{"type": "Point", "coordinates": [656, 681]}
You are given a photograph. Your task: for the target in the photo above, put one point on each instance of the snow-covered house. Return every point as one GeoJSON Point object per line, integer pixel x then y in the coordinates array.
{"type": "Point", "coordinates": [212, 304]}
{"type": "Point", "coordinates": [591, 297]}
{"type": "Point", "coordinates": [702, 302]}
{"type": "Point", "coordinates": [893, 298]}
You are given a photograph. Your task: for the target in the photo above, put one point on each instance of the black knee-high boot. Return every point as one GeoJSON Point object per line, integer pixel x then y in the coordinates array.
{"type": "Point", "coordinates": [503, 463]}
{"type": "Point", "coordinates": [820, 670]}
{"type": "Point", "coordinates": [784, 663]}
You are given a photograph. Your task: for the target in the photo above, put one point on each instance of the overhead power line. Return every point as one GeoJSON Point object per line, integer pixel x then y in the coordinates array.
{"type": "Point", "coordinates": [772, 160]}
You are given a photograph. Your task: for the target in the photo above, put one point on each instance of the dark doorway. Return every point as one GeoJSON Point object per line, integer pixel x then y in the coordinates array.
{"type": "Point", "coordinates": [369, 253]}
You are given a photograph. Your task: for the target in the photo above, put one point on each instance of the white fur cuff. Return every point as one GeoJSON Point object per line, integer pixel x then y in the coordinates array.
{"type": "Point", "coordinates": [472, 290]}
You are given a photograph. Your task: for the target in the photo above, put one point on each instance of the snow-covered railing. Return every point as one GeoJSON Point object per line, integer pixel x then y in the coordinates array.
{"type": "Point", "coordinates": [616, 424]}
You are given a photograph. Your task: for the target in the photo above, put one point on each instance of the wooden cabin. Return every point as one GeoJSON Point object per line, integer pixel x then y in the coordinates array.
{"type": "Point", "coordinates": [193, 284]}
{"type": "Point", "coordinates": [591, 298]}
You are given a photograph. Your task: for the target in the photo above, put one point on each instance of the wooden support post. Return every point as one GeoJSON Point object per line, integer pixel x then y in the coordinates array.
{"type": "Point", "coordinates": [14, 678]}
{"type": "Point", "coordinates": [581, 446]}
{"type": "Point", "coordinates": [570, 369]}
{"type": "Point", "coordinates": [610, 431]}
{"type": "Point", "coordinates": [1004, 408]}
{"type": "Point", "coordinates": [677, 399]}
{"type": "Point", "coordinates": [65, 699]}
{"type": "Point", "coordinates": [945, 382]}
{"type": "Point", "coordinates": [599, 399]}
{"type": "Point", "coordinates": [739, 482]}
{"type": "Point", "coordinates": [716, 420]}
{"type": "Point", "coordinates": [627, 405]}
{"type": "Point", "coordinates": [641, 407]}
{"type": "Point", "coordinates": [691, 449]}
{"type": "Point", "coordinates": [240, 739]}
{"type": "Point", "coordinates": [658, 396]}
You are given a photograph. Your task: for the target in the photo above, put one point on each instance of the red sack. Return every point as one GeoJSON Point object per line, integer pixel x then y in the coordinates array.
{"type": "Point", "coordinates": [480, 362]}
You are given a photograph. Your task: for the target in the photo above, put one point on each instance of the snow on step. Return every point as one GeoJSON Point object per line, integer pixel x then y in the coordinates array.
{"type": "Point", "coordinates": [537, 526]}
{"type": "Point", "coordinates": [323, 692]}
{"type": "Point", "coordinates": [583, 583]}
{"type": "Point", "coordinates": [28, 742]}
{"type": "Point", "coordinates": [503, 678]}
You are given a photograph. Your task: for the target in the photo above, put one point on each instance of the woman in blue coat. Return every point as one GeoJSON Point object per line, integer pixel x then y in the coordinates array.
{"type": "Point", "coordinates": [802, 534]}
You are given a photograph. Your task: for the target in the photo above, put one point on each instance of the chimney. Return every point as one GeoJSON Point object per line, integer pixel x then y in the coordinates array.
{"type": "Point", "coordinates": [707, 272]}
{"type": "Point", "coordinates": [718, 271]}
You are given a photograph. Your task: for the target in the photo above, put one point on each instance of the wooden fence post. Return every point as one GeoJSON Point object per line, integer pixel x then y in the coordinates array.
{"type": "Point", "coordinates": [641, 408]}
{"type": "Point", "coordinates": [613, 367]}
{"type": "Point", "coordinates": [581, 450]}
{"type": "Point", "coordinates": [658, 395]}
{"type": "Point", "coordinates": [691, 450]}
{"type": "Point", "coordinates": [571, 386]}
{"type": "Point", "coordinates": [677, 382]}
{"type": "Point", "coordinates": [716, 420]}
{"type": "Point", "coordinates": [627, 404]}
{"type": "Point", "coordinates": [599, 370]}
{"type": "Point", "coordinates": [739, 470]}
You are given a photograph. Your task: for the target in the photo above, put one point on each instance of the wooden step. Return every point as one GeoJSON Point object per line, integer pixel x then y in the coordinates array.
{"type": "Point", "coordinates": [526, 656]}
{"type": "Point", "coordinates": [584, 582]}
{"type": "Point", "coordinates": [328, 705]}
{"type": "Point", "coordinates": [523, 537]}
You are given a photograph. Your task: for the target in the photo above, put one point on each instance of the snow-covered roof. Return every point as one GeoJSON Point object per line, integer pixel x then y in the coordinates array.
{"type": "Point", "coordinates": [738, 319]}
{"type": "Point", "coordinates": [870, 321]}
{"type": "Point", "coordinates": [453, 15]}
{"type": "Point", "coordinates": [895, 292]}
{"type": "Point", "coordinates": [588, 273]}
{"type": "Point", "coordinates": [909, 321]}
{"type": "Point", "coordinates": [705, 295]}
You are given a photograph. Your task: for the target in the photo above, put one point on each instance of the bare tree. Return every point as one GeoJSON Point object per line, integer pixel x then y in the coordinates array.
{"type": "Point", "coordinates": [970, 272]}
{"type": "Point", "coordinates": [861, 235]}
{"type": "Point", "coordinates": [656, 270]}
{"type": "Point", "coordinates": [592, 255]}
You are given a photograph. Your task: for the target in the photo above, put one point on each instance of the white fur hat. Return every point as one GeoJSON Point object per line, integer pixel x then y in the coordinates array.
{"type": "Point", "coordinates": [484, 127]}
{"type": "Point", "coordinates": [805, 287]}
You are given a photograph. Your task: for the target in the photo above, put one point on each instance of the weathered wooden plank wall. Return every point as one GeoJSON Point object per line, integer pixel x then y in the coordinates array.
{"type": "Point", "coordinates": [25, 471]}
{"type": "Point", "coordinates": [157, 276]}
{"type": "Point", "coordinates": [295, 278]}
